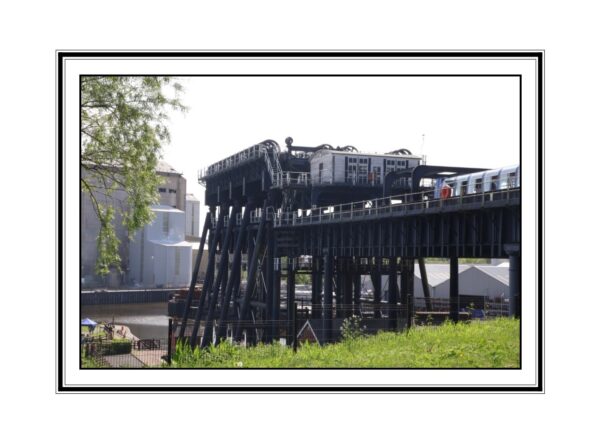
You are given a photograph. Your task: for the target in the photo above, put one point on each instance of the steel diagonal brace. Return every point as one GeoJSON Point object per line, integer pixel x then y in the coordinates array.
{"type": "Point", "coordinates": [190, 296]}
{"type": "Point", "coordinates": [237, 258]}
{"type": "Point", "coordinates": [425, 284]}
{"type": "Point", "coordinates": [251, 281]}
{"type": "Point", "coordinates": [221, 276]}
{"type": "Point", "coordinates": [210, 272]}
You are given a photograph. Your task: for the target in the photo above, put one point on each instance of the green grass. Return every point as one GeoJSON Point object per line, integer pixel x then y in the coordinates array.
{"type": "Point", "coordinates": [90, 362]}
{"type": "Point", "coordinates": [98, 332]}
{"type": "Point", "coordinates": [478, 344]}
{"type": "Point", "coordinates": [460, 261]}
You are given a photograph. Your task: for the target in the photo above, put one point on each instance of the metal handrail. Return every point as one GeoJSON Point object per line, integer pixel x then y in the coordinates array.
{"type": "Point", "coordinates": [292, 178]}
{"type": "Point", "coordinates": [385, 205]}
{"type": "Point", "coordinates": [252, 153]}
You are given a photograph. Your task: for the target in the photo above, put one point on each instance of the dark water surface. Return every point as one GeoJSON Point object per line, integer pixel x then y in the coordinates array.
{"type": "Point", "coordinates": [146, 320]}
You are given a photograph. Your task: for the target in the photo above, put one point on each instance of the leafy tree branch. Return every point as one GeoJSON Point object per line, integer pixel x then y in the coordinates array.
{"type": "Point", "coordinates": [122, 131]}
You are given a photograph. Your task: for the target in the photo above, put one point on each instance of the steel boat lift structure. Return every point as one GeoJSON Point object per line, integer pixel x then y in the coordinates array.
{"type": "Point", "coordinates": [336, 215]}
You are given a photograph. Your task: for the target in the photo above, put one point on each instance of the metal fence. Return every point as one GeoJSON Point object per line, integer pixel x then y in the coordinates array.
{"type": "Point", "coordinates": [104, 352]}
{"type": "Point", "coordinates": [142, 353]}
{"type": "Point", "coordinates": [399, 204]}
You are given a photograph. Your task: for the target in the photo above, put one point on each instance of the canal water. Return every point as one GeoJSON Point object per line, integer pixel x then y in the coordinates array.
{"type": "Point", "coordinates": [145, 320]}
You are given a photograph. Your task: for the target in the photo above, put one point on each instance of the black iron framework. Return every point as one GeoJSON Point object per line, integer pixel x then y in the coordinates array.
{"type": "Point", "coordinates": [262, 228]}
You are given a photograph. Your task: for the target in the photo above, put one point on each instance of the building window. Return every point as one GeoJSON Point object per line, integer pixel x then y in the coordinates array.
{"type": "Point", "coordinates": [172, 191]}
{"type": "Point", "coordinates": [352, 171]}
{"type": "Point", "coordinates": [363, 169]}
{"type": "Point", "coordinates": [320, 173]}
{"type": "Point", "coordinates": [162, 190]}
{"type": "Point", "coordinates": [376, 175]}
{"type": "Point", "coordinates": [390, 166]}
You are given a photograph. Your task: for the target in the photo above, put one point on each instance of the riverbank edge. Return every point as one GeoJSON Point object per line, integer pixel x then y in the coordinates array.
{"type": "Point", "coordinates": [126, 296]}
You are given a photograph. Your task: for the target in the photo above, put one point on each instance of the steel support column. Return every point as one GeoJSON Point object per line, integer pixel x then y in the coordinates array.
{"type": "Point", "coordinates": [425, 284]}
{"type": "Point", "coordinates": [514, 279]}
{"type": "Point", "coordinates": [251, 281]}
{"type": "Point", "coordinates": [276, 308]}
{"type": "Point", "coordinates": [347, 290]}
{"type": "Point", "coordinates": [237, 285]}
{"type": "Point", "coordinates": [220, 280]}
{"type": "Point", "coordinates": [317, 281]}
{"type": "Point", "coordinates": [291, 299]}
{"type": "Point", "coordinates": [393, 294]}
{"type": "Point", "coordinates": [357, 284]}
{"type": "Point", "coordinates": [268, 281]}
{"type": "Point", "coordinates": [210, 273]}
{"type": "Point", "coordinates": [190, 296]}
{"type": "Point", "coordinates": [454, 293]}
{"type": "Point", "coordinates": [235, 275]}
{"type": "Point", "coordinates": [339, 282]}
{"type": "Point", "coordinates": [226, 276]}
{"type": "Point", "coordinates": [407, 289]}
{"type": "Point", "coordinates": [376, 280]}
{"type": "Point", "coordinates": [328, 297]}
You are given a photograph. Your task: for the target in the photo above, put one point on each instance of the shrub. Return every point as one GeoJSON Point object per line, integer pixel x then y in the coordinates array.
{"type": "Point", "coordinates": [116, 346]}
{"type": "Point", "coordinates": [351, 328]}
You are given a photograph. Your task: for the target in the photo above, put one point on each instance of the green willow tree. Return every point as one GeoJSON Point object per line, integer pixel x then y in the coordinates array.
{"type": "Point", "coordinates": [122, 129]}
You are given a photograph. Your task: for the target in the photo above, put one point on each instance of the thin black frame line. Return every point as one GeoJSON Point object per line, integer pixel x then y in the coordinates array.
{"type": "Point", "coordinates": [59, 220]}
{"type": "Point", "coordinates": [80, 212]}
{"type": "Point", "coordinates": [369, 368]}
{"type": "Point", "coordinates": [540, 120]}
{"type": "Point", "coordinates": [314, 368]}
{"type": "Point", "coordinates": [422, 55]}
{"type": "Point", "coordinates": [303, 75]}
{"type": "Point", "coordinates": [521, 209]}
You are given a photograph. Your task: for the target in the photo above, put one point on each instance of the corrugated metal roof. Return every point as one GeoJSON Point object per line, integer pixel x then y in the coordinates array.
{"type": "Point", "coordinates": [438, 273]}
{"type": "Point", "coordinates": [497, 272]}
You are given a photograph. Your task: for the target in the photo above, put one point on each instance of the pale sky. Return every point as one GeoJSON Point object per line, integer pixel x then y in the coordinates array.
{"type": "Point", "coordinates": [467, 121]}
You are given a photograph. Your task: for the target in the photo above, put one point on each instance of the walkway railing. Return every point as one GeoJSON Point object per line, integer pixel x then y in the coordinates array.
{"type": "Point", "coordinates": [252, 153]}
{"type": "Point", "coordinates": [387, 205]}
{"type": "Point", "coordinates": [290, 179]}
{"type": "Point", "coordinates": [375, 207]}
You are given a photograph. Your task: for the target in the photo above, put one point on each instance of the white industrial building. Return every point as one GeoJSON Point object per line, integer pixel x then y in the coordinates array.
{"type": "Point", "coordinates": [489, 281]}
{"type": "Point", "coordinates": [159, 256]}
{"type": "Point", "coordinates": [475, 280]}
{"type": "Point", "coordinates": [192, 217]}
{"type": "Point", "coordinates": [171, 192]}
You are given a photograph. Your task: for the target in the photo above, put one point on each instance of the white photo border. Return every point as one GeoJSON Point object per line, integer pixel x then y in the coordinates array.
{"type": "Point", "coordinates": [528, 65]}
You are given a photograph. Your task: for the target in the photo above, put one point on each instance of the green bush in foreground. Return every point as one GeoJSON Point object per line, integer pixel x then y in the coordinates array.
{"type": "Point", "coordinates": [108, 348]}
{"type": "Point", "coordinates": [478, 344]}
